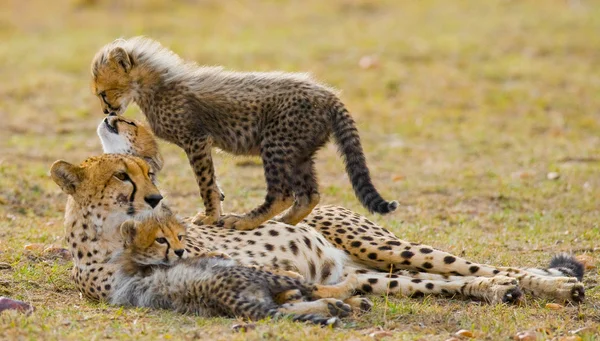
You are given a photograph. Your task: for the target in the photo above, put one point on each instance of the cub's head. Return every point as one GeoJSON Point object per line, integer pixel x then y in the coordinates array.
{"type": "Point", "coordinates": [124, 67]}
{"type": "Point", "coordinates": [154, 241]}
{"type": "Point", "coordinates": [112, 80]}
{"type": "Point", "coordinates": [107, 186]}
{"type": "Point", "coordinates": [120, 135]}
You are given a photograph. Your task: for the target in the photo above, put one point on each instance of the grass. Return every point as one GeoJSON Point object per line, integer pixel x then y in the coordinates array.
{"type": "Point", "coordinates": [468, 106]}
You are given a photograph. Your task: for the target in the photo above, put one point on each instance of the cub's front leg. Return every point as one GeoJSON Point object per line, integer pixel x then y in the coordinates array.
{"type": "Point", "coordinates": [199, 154]}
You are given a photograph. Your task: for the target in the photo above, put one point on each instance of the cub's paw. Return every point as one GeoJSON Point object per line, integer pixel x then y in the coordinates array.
{"type": "Point", "coordinates": [237, 222]}
{"type": "Point", "coordinates": [291, 274]}
{"type": "Point", "coordinates": [201, 219]}
{"type": "Point", "coordinates": [217, 254]}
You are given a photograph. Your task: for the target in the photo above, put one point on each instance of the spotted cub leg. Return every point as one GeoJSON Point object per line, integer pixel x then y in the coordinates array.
{"type": "Point", "coordinates": [324, 306]}
{"type": "Point", "coordinates": [199, 155]}
{"type": "Point", "coordinates": [306, 193]}
{"type": "Point", "coordinates": [279, 195]}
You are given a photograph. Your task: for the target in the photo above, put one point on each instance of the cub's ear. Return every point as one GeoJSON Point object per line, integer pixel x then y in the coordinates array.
{"type": "Point", "coordinates": [128, 231]}
{"type": "Point", "coordinates": [66, 176]}
{"type": "Point", "coordinates": [120, 57]}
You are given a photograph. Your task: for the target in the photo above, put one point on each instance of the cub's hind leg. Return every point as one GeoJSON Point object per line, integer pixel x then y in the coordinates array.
{"type": "Point", "coordinates": [277, 151]}
{"type": "Point", "coordinates": [306, 192]}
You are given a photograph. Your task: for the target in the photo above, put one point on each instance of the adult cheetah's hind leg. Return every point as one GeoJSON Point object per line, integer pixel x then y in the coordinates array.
{"type": "Point", "coordinates": [499, 289]}
{"type": "Point", "coordinates": [377, 248]}
{"type": "Point", "coordinates": [306, 193]}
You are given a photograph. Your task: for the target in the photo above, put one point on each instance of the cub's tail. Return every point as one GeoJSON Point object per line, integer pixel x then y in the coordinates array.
{"type": "Point", "coordinates": [348, 141]}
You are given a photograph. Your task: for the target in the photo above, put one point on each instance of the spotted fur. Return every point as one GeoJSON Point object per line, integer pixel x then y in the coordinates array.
{"type": "Point", "coordinates": [282, 117]}
{"type": "Point", "coordinates": [99, 202]}
{"type": "Point", "coordinates": [313, 250]}
{"type": "Point", "coordinates": [153, 271]}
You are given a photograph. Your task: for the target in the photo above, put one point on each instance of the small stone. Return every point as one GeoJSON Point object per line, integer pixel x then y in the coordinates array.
{"type": "Point", "coordinates": [10, 304]}
{"type": "Point", "coordinates": [35, 247]}
{"type": "Point", "coordinates": [554, 306]}
{"type": "Point", "coordinates": [465, 333]}
{"type": "Point", "coordinates": [553, 176]}
{"type": "Point", "coordinates": [381, 334]}
{"type": "Point", "coordinates": [589, 263]}
{"type": "Point", "coordinates": [527, 335]}
{"type": "Point", "coordinates": [453, 339]}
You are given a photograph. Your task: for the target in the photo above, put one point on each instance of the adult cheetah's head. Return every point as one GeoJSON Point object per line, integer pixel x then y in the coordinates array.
{"type": "Point", "coordinates": [120, 135]}
{"type": "Point", "coordinates": [106, 186]}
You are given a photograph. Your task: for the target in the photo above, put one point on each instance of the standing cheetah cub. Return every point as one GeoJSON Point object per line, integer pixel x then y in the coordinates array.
{"type": "Point", "coordinates": [283, 117]}
{"type": "Point", "coordinates": [154, 271]}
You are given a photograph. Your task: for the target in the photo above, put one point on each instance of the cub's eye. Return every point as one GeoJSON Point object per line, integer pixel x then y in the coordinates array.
{"type": "Point", "coordinates": [180, 237]}
{"type": "Point", "coordinates": [161, 240]}
{"type": "Point", "coordinates": [122, 176]}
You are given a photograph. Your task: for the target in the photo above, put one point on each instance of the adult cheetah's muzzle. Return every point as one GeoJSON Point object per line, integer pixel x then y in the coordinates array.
{"type": "Point", "coordinates": [153, 199]}
{"type": "Point", "coordinates": [110, 128]}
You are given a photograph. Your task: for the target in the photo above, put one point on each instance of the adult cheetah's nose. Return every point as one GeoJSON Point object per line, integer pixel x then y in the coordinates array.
{"type": "Point", "coordinates": [179, 252]}
{"type": "Point", "coordinates": [153, 199]}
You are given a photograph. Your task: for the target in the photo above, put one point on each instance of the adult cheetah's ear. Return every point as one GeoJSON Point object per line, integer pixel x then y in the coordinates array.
{"type": "Point", "coordinates": [120, 57]}
{"type": "Point", "coordinates": [66, 176]}
{"type": "Point", "coordinates": [128, 231]}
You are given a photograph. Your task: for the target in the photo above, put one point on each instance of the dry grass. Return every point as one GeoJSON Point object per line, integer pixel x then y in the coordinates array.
{"type": "Point", "coordinates": [470, 105]}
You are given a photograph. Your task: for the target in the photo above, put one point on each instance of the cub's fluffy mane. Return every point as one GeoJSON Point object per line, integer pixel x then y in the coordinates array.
{"type": "Point", "coordinates": [150, 54]}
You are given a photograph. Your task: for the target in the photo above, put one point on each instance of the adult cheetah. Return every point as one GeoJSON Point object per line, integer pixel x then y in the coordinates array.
{"type": "Point", "coordinates": [330, 244]}
{"type": "Point", "coordinates": [282, 117]}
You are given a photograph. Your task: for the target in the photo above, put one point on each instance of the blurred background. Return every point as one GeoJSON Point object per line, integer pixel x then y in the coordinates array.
{"type": "Point", "coordinates": [481, 117]}
{"type": "Point", "coordinates": [464, 107]}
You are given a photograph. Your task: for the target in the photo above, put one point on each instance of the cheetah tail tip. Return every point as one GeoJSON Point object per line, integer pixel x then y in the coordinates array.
{"type": "Point", "coordinates": [568, 265]}
{"type": "Point", "coordinates": [386, 207]}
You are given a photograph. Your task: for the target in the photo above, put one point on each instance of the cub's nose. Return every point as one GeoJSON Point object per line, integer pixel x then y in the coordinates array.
{"type": "Point", "coordinates": [179, 252]}
{"type": "Point", "coordinates": [153, 199]}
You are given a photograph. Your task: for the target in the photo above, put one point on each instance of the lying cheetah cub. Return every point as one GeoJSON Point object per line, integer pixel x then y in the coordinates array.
{"type": "Point", "coordinates": [155, 272]}
{"type": "Point", "coordinates": [282, 117]}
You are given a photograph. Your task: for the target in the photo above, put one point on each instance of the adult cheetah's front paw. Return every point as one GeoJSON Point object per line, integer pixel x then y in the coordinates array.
{"type": "Point", "coordinates": [237, 222]}
{"type": "Point", "coordinates": [201, 219]}
{"type": "Point", "coordinates": [338, 308]}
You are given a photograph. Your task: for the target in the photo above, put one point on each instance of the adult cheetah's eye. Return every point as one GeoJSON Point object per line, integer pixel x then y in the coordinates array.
{"type": "Point", "coordinates": [161, 240]}
{"type": "Point", "coordinates": [122, 176]}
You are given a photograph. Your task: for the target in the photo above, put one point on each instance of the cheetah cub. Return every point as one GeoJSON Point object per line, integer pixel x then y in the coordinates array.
{"type": "Point", "coordinates": [282, 117]}
{"type": "Point", "coordinates": [154, 271]}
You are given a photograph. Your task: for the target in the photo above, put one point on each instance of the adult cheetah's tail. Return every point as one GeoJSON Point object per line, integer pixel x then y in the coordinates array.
{"type": "Point", "coordinates": [348, 141]}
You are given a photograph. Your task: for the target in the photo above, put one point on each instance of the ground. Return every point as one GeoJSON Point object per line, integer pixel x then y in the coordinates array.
{"type": "Point", "coordinates": [464, 108]}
